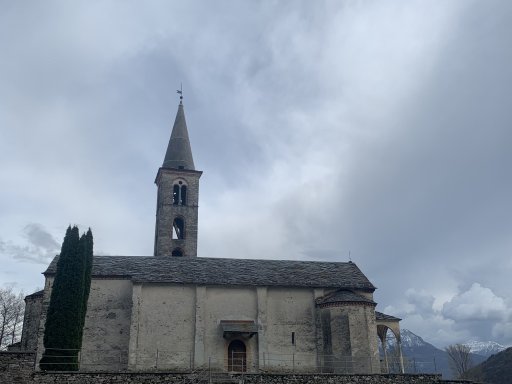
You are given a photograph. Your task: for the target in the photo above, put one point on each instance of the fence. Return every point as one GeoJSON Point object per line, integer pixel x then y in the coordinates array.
{"type": "Point", "coordinates": [411, 365]}
{"type": "Point", "coordinates": [185, 361]}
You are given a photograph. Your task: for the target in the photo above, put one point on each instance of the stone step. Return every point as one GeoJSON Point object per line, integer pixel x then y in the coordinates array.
{"type": "Point", "coordinates": [223, 378]}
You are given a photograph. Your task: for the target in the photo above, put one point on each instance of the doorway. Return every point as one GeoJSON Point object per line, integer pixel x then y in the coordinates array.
{"type": "Point", "coordinates": [237, 361]}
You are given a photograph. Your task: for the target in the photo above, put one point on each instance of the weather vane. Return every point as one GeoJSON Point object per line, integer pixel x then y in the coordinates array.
{"type": "Point", "coordinates": [180, 91]}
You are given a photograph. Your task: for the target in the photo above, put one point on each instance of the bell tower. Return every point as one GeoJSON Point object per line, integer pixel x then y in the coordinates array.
{"type": "Point", "coordinates": [177, 196]}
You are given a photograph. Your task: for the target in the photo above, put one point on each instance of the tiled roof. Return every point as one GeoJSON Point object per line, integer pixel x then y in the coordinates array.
{"type": "Point", "coordinates": [343, 296]}
{"type": "Point", "coordinates": [383, 316]}
{"type": "Point", "coordinates": [213, 271]}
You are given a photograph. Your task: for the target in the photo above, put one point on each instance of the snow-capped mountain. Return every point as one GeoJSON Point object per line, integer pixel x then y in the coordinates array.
{"type": "Point", "coordinates": [409, 340]}
{"type": "Point", "coordinates": [422, 356]}
{"type": "Point", "coordinates": [485, 348]}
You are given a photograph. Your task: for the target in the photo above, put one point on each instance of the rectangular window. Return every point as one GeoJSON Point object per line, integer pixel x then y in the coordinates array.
{"type": "Point", "coordinates": [293, 338]}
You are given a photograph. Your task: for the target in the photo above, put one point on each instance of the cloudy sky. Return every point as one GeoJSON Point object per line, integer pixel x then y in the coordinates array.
{"type": "Point", "coordinates": [326, 130]}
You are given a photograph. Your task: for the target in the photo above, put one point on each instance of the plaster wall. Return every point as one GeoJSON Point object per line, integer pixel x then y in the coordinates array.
{"type": "Point", "coordinates": [223, 303]}
{"type": "Point", "coordinates": [107, 325]}
{"type": "Point", "coordinates": [141, 327]}
{"type": "Point", "coordinates": [164, 330]}
{"type": "Point", "coordinates": [290, 310]}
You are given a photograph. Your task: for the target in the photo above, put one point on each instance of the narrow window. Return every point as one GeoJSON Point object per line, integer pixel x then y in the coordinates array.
{"type": "Point", "coordinates": [293, 338]}
{"type": "Point", "coordinates": [177, 252]}
{"type": "Point", "coordinates": [176, 194]}
{"type": "Point", "coordinates": [183, 195]}
{"type": "Point", "coordinates": [178, 229]}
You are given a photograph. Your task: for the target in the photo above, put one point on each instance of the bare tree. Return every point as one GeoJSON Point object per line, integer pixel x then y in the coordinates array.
{"type": "Point", "coordinates": [459, 358]}
{"type": "Point", "coordinates": [11, 316]}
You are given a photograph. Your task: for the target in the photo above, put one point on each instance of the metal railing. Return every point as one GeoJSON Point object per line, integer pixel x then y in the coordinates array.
{"type": "Point", "coordinates": [411, 365]}
{"type": "Point", "coordinates": [185, 361]}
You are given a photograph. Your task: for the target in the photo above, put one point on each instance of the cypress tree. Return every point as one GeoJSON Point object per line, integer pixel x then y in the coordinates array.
{"type": "Point", "coordinates": [86, 250]}
{"type": "Point", "coordinates": [68, 301]}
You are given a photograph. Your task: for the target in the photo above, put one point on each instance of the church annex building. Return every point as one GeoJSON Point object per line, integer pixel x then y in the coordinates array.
{"type": "Point", "coordinates": [174, 311]}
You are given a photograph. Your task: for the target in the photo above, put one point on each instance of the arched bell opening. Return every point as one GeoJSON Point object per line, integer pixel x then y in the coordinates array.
{"type": "Point", "coordinates": [179, 193]}
{"type": "Point", "coordinates": [178, 229]}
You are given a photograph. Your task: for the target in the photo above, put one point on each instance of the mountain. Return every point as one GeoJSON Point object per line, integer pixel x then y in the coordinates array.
{"type": "Point", "coordinates": [420, 356]}
{"type": "Point", "coordinates": [485, 348]}
{"type": "Point", "coordinates": [497, 369]}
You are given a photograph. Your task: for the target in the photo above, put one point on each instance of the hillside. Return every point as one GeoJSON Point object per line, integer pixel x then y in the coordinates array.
{"type": "Point", "coordinates": [497, 369]}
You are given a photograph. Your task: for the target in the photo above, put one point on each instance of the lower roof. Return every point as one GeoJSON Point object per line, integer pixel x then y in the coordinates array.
{"type": "Point", "coordinates": [383, 317]}
{"type": "Point", "coordinates": [216, 271]}
{"type": "Point", "coordinates": [343, 296]}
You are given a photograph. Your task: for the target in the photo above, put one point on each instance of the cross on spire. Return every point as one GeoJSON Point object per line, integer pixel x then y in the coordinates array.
{"type": "Point", "coordinates": [180, 91]}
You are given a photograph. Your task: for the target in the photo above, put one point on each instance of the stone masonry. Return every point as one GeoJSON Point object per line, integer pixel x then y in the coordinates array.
{"type": "Point", "coordinates": [33, 308]}
{"type": "Point", "coordinates": [166, 212]}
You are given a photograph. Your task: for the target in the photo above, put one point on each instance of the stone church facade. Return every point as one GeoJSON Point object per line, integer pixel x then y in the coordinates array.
{"type": "Point", "coordinates": [175, 311]}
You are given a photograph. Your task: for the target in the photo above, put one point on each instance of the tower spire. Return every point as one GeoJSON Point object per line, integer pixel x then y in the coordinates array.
{"type": "Point", "coordinates": [179, 152]}
{"type": "Point", "coordinates": [178, 194]}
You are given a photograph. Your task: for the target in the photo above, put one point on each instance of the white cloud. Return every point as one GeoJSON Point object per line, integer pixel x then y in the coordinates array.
{"type": "Point", "coordinates": [476, 313]}
{"type": "Point", "coordinates": [477, 303]}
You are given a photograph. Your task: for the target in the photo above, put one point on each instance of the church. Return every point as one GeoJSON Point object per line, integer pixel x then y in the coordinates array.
{"type": "Point", "coordinates": [177, 312]}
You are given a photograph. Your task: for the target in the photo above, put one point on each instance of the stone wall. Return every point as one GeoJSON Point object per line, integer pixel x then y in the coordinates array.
{"type": "Point", "coordinates": [110, 378]}
{"type": "Point", "coordinates": [33, 308]}
{"type": "Point", "coordinates": [47, 292]}
{"type": "Point", "coordinates": [166, 212]}
{"type": "Point", "coordinates": [346, 379]}
{"type": "Point", "coordinates": [16, 367]}
{"type": "Point", "coordinates": [166, 378]}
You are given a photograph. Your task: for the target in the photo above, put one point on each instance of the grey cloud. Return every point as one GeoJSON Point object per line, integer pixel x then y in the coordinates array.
{"type": "Point", "coordinates": [40, 238]}
{"type": "Point", "coordinates": [422, 300]}
{"type": "Point", "coordinates": [40, 245]}
{"type": "Point", "coordinates": [379, 129]}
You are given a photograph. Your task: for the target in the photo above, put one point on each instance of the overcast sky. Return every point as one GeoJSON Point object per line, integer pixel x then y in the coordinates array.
{"type": "Point", "coordinates": [376, 129]}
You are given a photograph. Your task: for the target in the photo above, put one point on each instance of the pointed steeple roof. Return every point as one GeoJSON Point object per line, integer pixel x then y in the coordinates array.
{"type": "Point", "coordinates": [179, 152]}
